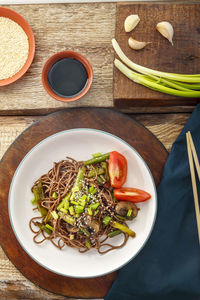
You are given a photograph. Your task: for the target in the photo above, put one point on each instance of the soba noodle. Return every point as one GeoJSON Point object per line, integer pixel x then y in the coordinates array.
{"type": "Point", "coordinates": [88, 229]}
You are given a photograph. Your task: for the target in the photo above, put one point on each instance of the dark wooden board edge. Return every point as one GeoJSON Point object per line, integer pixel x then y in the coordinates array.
{"type": "Point", "coordinates": [103, 119]}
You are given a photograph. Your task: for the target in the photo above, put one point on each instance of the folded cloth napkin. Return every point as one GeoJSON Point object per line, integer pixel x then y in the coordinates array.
{"type": "Point", "coordinates": [168, 267]}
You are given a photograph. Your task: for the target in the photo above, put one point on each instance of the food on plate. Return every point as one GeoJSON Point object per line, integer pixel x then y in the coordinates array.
{"type": "Point", "coordinates": [14, 48]}
{"type": "Point", "coordinates": [131, 22]}
{"type": "Point", "coordinates": [77, 203]}
{"type": "Point", "coordinates": [166, 29]}
{"type": "Point", "coordinates": [183, 85]}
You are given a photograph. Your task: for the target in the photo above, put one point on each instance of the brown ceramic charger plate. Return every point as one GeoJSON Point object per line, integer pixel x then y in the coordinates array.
{"type": "Point", "coordinates": [147, 145]}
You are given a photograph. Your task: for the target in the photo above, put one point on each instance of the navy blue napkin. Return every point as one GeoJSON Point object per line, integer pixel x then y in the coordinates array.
{"type": "Point", "coordinates": [168, 267]}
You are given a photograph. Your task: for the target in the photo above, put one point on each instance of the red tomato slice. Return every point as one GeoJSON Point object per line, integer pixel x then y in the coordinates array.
{"type": "Point", "coordinates": [117, 169]}
{"type": "Point", "coordinates": [131, 194]}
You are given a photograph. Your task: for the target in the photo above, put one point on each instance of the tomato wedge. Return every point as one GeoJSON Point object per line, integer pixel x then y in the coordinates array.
{"type": "Point", "coordinates": [131, 194]}
{"type": "Point", "coordinates": [117, 169]}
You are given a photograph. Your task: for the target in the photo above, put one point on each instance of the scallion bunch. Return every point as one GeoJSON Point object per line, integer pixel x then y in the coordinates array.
{"type": "Point", "coordinates": [168, 83]}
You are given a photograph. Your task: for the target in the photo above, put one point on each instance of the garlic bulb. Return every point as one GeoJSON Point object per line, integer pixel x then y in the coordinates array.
{"type": "Point", "coordinates": [131, 22]}
{"type": "Point", "coordinates": [136, 45]}
{"type": "Point", "coordinates": [166, 29]}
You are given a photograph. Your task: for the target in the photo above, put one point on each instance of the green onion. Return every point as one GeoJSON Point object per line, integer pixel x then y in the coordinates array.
{"type": "Point", "coordinates": [74, 202]}
{"type": "Point", "coordinates": [64, 202]}
{"type": "Point", "coordinates": [94, 205]}
{"type": "Point", "coordinates": [92, 190]}
{"type": "Point", "coordinates": [129, 212]}
{"type": "Point", "coordinates": [84, 197]}
{"type": "Point", "coordinates": [89, 210]}
{"type": "Point", "coordinates": [54, 195]}
{"type": "Point", "coordinates": [49, 227]}
{"type": "Point", "coordinates": [96, 212]}
{"type": "Point", "coordinates": [78, 209]}
{"type": "Point", "coordinates": [64, 210]}
{"type": "Point", "coordinates": [168, 83]}
{"type": "Point", "coordinates": [106, 220]}
{"type": "Point", "coordinates": [44, 228]}
{"type": "Point", "coordinates": [67, 218]}
{"type": "Point", "coordinates": [54, 214]}
{"type": "Point", "coordinates": [71, 210]}
{"type": "Point", "coordinates": [71, 236]}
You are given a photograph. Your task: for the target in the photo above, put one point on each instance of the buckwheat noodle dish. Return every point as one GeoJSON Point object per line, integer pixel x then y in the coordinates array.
{"type": "Point", "coordinates": [82, 204]}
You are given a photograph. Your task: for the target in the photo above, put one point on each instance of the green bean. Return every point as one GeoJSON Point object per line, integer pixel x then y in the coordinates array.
{"type": "Point", "coordinates": [103, 179]}
{"type": "Point", "coordinates": [123, 228]}
{"type": "Point", "coordinates": [39, 197]}
{"type": "Point", "coordinates": [88, 244]}
{"type": "Point", "coordinates": [114, 233]}
{"type": "Point", "coordinates": [99, 171]}
{"type": "Point", "coordinates": [105, 166]}
{"type": "Point", "coordinates": [54, 195]}
{"type": "Point", "coordinates": [85, 231]}
{"type": "Point", "coordinates": [96, 154]}
{"type": "Point", "coordinates": [33, 201]}
{"type": "Point", "coordinates": [98, 159]}
{"type": "Point", "coordinates": [79, 180]}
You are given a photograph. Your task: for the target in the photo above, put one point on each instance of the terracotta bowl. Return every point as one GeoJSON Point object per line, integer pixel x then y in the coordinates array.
{"type": "Point", "coordinates": [58, 56]}
{"type": "Point", "coordinates": [8, 13]}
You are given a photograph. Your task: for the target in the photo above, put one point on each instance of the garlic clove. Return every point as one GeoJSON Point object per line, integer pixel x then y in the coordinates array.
{"type": "Point", "coordinates": [137, 45]}
{"type": "Point", "coordinates": [131, 22]}
{"type": "Point", "coordinates": [166, 29]}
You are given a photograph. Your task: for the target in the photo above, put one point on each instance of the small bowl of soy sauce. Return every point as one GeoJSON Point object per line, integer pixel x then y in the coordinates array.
{"type": "Point", "coordinates": [67, 76]}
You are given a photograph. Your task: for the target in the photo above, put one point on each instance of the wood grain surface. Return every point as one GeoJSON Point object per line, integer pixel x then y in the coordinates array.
{"type": "Point", "coordinates": [182, 58]}
{"type": "Point", "coordinates": [106, 120]}
{"type": "Point", "coordinates": [87, 28]}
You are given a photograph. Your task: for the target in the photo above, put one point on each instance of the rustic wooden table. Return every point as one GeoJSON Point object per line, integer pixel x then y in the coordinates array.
{"type": "Point", "coordinates": [86, 28]}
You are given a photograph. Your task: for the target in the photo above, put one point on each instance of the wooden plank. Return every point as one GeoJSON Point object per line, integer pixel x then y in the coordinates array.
{"type": "Point", "coordinates": [181, 58]}
{"type": "Point", "coordinates": [165, 127]}
{"type": "Point", "coordinates": [87, 28]}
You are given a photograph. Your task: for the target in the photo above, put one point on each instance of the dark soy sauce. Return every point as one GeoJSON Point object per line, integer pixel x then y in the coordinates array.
{"type": "Point", "coordinates": [67, 77]}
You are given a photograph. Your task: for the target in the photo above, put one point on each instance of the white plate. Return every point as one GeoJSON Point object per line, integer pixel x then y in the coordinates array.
{"type": "Point", "coordinates": [79, 144]}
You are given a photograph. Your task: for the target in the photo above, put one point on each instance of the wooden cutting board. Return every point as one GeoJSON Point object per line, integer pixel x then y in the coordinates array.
{"type": "Point", "coordinates": [116, 123]}
{"type": "Point", "coordinates": [183, 57]}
